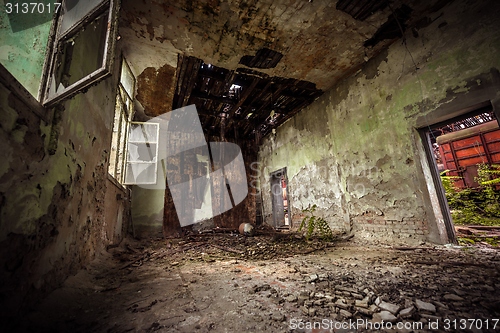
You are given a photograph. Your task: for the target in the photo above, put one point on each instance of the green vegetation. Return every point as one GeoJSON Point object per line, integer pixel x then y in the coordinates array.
{"type": "Point", "coordinates": [479, 206]}
{"type": "Point", "coordinates": [464, 241]}
{"type": "Point", "coordinates": [314, 224]}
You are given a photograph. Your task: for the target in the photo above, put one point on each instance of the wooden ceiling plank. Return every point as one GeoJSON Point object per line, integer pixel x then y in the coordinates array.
{"type": "Point", "coordinates": [247, 91]}
{"type": "Point", "coordinates": [195, 67]}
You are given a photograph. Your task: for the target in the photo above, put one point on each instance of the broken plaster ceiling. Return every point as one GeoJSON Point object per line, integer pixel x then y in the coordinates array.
{"type": "Point", "coordinates": [278, 56]}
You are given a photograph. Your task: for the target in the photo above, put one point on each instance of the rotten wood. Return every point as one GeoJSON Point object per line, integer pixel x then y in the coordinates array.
{"type": "Point", "coordinates": [224, 230]}
{"type": "Point", "coordinates": [316, 249]}
{"type": "Point", "coordinates": [482, 227]}
{"type": "Point", "coordinates": [227, 249]}
{"type": "Point", "coordinates": [131, 263]}
{"type": "Point", "coordinates": [406, 248]}
{"type": "Point", "coordinates": [453, 263]}
{"type": "Point", "coordinates": [185, 248]}
{"type": "Point", "coordinates": [208, 87]}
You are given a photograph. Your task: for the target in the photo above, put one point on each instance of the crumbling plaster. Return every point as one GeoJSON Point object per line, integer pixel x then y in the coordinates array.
{"type": "Point", "coordinates": [355, 151]}
{"type": "Point", "coordinates": [221, 32]}
{"type": "Point", "coordinates": [58, 206]}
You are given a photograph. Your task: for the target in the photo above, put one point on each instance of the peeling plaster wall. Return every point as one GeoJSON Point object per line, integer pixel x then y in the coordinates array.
{"type": "Point", "coordinates": [155, 90]}
{"type": "Point", "coordinates": [147, 212]}
{"type": "Point", "coordinates": [355, 152]}
{"type": "Point", "coordinates": [58, 206]}
{"type": "Point", "coordinates": [221, 32]}
{"type": "Point", "coordinates": [23, 44]}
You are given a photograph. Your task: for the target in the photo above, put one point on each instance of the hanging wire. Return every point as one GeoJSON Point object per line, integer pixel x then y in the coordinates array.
{"type": "Point", "coordinates": [414, 64]}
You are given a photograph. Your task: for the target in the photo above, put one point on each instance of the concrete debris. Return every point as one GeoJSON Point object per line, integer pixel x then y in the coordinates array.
{"type": "Point", "coordinates": [362, 303]}
{"type": "Point", "coordinates": [264, 295]}
{"type": "Point", "coordinates": [425, 306]}
{"type": "Point", "coordinates": [453, 297]}
{"type": "Point", "coordinates": [345, 314]}
{"type": "Point", "coordinates": [408, 312]}
{"type": "Point", "coordinates": [392, 308]}
{"type": "Point", "coordinates": [385, 316]}
{"type": "Point", "coordinates": [313, 278]}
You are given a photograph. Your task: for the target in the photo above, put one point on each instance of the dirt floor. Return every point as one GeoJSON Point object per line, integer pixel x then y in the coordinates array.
{"type": "Point", "coordinates": [275, 283]}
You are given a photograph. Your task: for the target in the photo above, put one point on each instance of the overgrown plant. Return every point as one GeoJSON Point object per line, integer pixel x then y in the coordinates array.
{"type": "Point", "coordinates": [316, 224]}
{"type": "Point", "coordinates": [474, 206]}
{"type": "Point", "coordinates": [490, 196]}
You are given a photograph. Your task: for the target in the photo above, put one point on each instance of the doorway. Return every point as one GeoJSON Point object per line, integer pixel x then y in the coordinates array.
{"type": "Point", "coordinates": [464, 155]}
{"type": "Point", "coordinates": [280, 199]}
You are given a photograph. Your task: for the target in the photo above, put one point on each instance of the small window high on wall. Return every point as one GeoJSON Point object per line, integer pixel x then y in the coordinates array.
{"type": "Point", "coordinates": [123, 115]}
{"type": "Point", "coordinates": [82, 52]}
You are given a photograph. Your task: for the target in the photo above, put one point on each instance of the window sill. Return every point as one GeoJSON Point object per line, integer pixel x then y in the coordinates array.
{"type": "Point", "coordinates": [121, 187]}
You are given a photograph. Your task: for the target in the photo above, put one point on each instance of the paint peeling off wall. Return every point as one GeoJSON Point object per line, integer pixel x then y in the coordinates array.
{"type": "Point", "coordinates": [155, 90]}
{"type": "Point", "coordinates": [23, 45]}
{"type": "Point", "coordinates": [356, 152]}
{"type": "Point", "coordinates": [58, 206]}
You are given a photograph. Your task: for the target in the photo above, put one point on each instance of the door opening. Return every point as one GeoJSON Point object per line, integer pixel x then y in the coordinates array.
{"type": "Point", "coordinates": [464, 155]}
{"type": "Point", "coordinates": [280, 199]}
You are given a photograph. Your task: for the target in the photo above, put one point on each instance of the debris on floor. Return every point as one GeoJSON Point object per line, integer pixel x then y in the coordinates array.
{"type": "Point", "coordinates": [472, 234]}
{"type": "Point", "coordinates": [226, 282]}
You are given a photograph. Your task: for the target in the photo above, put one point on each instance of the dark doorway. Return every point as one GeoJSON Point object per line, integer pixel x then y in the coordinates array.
{"type": "Point", "coordinates": [280, 199]}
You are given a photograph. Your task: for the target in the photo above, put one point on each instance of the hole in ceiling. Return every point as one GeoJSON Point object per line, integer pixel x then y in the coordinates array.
{"type": "Point", "coordinates": [394, 27]}
{"type": "Point", "coordinates": [360, 9]}
{"type": "Point", "coordinates": [264, 58]}
{"type": "Point", "coordinates": [243, 99]}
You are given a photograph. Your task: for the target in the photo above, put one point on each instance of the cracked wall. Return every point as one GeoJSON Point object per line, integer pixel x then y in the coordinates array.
{"type": "Point", "coordinates": [58, 205]}
{"type": "Point", "coordinates": [155, 90]}
{"type": "Point", "coordinates": [221, 33]}
{"type": "Point", "coordinates": [355, 152]}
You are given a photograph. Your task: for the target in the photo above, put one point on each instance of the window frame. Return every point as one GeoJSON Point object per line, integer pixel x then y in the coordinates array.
{"type": "Point", "coordinates": [126, 115]}
{"type": "Point", "coordinates": [154, 159]}
{"type": "Point", "coordinates": [49, 98]}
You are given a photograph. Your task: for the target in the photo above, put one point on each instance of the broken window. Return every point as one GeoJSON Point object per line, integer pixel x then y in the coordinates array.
{"type": "Point", "coordinates": [82, 50]}
{"type": "Point", "coordinates": [123, 116]}
{"type": "Point", "coordinates": [142, 153]}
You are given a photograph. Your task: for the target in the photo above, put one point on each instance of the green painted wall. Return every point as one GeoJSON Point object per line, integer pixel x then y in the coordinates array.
{"type": "Point", "coordinates": [23, 43]}
{"type": "Point", "coordinates": [55, 192]}
{"type": "Point", "coordinates": [355, 152]}
{"type": "Point", "coordinates": [147, 211]}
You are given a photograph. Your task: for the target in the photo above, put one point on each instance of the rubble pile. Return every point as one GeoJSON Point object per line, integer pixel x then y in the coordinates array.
{"type": "Point", "coordinates": [268, 283]}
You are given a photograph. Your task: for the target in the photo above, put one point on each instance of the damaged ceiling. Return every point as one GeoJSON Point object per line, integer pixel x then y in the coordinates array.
{"type": "Point", "coordinates": [241, 103]}
{"type": "Point", "coordinates": [249, 65]}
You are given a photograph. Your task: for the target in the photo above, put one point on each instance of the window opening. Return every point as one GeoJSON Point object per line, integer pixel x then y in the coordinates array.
{"type": "Point", "coordinates": [83, 48]}
{"type": "Point", "coordinates": [123, 116]}
{"type": "Point", "coordinates": [142, 153]}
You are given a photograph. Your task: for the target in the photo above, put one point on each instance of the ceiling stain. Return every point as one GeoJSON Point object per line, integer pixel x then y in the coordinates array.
{"type": "Point", "coordinates": [155, 90]}
{"type": "Point", "coordinates": [306, 47]}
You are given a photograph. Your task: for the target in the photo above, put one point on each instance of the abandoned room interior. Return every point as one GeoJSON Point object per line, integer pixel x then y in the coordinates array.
{"type": "Point", "coordinates": [250, 165]}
